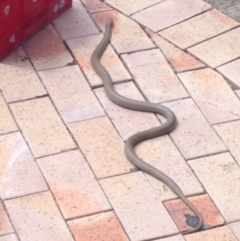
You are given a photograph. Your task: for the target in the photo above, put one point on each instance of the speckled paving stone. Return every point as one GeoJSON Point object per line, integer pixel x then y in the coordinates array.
{"type": "Point", "coordinates": [199, 28]}
{"type": "Point", "coordinates": [10, 237]}
{"type": "Point", "coordinates": [154, 76]}
{"type": "Point", "coordinates": [230, 134]}
{"type": "Point", "coordinates": [42, 127]}
{"type": "Point", "coordinates": [218, 106]}
{"type": "Point", "coordinates": [238, 93]}
{"type": "Point", "coordinates": [193, 142]}
{"type": "Point", "coordinates": [219, 234]}
{"type": "Point", "coordinates": [73, 184]}
{"type": "Point", "coordinates": [158, 17]}
{"type": "Point", "coordinates": [46, 50]}
{"type": "Point", "coordinates": [100, 227]}
{"type": "Point", "coordinates": [75, 22]}
{"type": "Point", "coordinates": [163, 155]}
{"type": "Point", "coordinates": [214, 53]}
{"type": "Point", "coordinates": [186, 219]}
{"type": "Point", "coordinates": [180, 60]}
{"type": "Point", "coordinates": [127, 35]}
{"type": "Point", "coordinates": [5, 225]}
{"type": "Point", "coordinates": [126, 121]}
{"type": "Point", "coordinates": [94, 6]}
{"type": "Point", "coordinates": [43, 222]}
{"type": "Point", "coordinates": [220, 175]}
{"type": "Point", "coordinates": [17, 76]}
{"type": "Point", "coordinates": [102, 147]}
{"type": "Point", "coordinates": [172, 238]}
{"type": "Point", "coordinates": [71, 94]}
{"type": "Point", "coordinates": [19, 173]}
{"type": "Point", "coordinates": [138, 207]}
{"type": "Point", "coordinates": [82, 49]}
{"type": "Point", "coordinates": [231, 71]}
{"type": "Point", "coordinates": [7, 123]}
{"type": "Point", "coordinates": [236, 229]}
{"type": "Point", "coordinates": [131, 6]}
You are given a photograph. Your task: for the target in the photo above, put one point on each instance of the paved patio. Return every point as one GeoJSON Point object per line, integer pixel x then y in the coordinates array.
{"type": "Point", "coordinates": [63, 173]}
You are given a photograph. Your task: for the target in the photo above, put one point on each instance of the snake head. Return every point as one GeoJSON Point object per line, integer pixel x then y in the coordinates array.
{"type": "Point", "coordinates": [109, 23]}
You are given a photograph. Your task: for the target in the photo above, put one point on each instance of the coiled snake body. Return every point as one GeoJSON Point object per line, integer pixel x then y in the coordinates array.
{"type": "Point", "coordinates": [133, 140]}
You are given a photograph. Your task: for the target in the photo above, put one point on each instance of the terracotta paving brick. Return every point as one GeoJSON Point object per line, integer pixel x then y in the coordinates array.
{"type": "Point", "coordinates": [214, 53]}
{"type": "Point", "coordinates": [220, 175]}
{"type": "Point", "coordinates": [186, 219]}
{"type": "Point", "coordinates": [75, 22]}
{"type": "Point", "coordinates": [158, 17]}
{"type": "Point", "coordinates": [126, 121]}
{"type": "Point", "coordinates": [180, 60]}
{"type": "Point", "coordinates": [102, 147]}
{"type": "Point", "coordinates": [193, 142]}
{"type": "Point", "coordinates": [199, 28]}
{"type": "Point", "coordinates": [132, 6]}
{"type": "Point", "coordinates": [73, 184]}
{"type": "Point", "coordinates": [236, 229]}
{"type": "Point", "coordinates": [231, 71]}
{"type": "Point", "coordinates": [138, 207]}
{"type": "Point", "coordinates": [46, 50]}
{"type": "Point", "coordinates": [219, 106]}
{"type": "Point", "coordinates": [11, 237]}
{"type": "Point", "coordinates": [172, 238]}
{"type": "Point", "coordinates": [127, 35]}
{"type": "Point", "coordinates": [42, 127]}
{"type": "Point", "coordinates": [163, 155]}
{"type": "Point", "coordinates": [94, 6]}
{"type": "Point", "coordinates": [7, 123]}
{"type": "Point", "coordinates": [82, 49]}
{"type": "Point", "coordinates": [43, 222]}
{"type": "Point", "coordinates": [19, 173]}
{"type": "Point", "coordinates": [5, 225]}
{"type": "Point", "coordinates": [154, 76]}
{"type": "Point", "coordinates": [71, 94]}
{"type": "Point", "coordinates": [100, 227]}
{"type": "Point", "coordinates": [16, 77]}
{"type": "Point", "coordinates": [230, 134]}
{"type": "Point", "coordinates": [219, 234]}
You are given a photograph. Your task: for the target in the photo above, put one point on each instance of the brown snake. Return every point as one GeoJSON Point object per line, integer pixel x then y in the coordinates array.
{"type": "Point", "coordinates": [133, 140]}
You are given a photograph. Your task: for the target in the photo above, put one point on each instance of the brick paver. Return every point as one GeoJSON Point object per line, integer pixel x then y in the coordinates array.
{"type": "Point", "coordinates": [180, 60]}
{"type": "Point", "coordinates": [101, 227]}
{"type": "Point", "coordinates": [127, 35]}
{"type": "Point", "coordinates": [184, 218]}
{"type": "Point", "coordinates": [199, 28]}
{"type": "Point", "coordinates": [71, 94]}
{"type": "Point", "coordinates": [63, 172]}
{"type": "Point", "coordinates": [220, 234]}
{"type": "Point", "coordinates": [42, 127]}
{"type": "Point", "coordinates": [82, 49]}
{"type": "Point", "coordinates": [46, 50]}
{"type": "Point", "coordinates": [43, 222]}
{"type": "Point", "coordinates": [217, 108]}
{"type": "Point", "coordinates": [19, 173]}
{"type": "Point", "coordinates": [160, 16]}
{"type": "Point", "coordinates": [220, 175]}
{"type": "Point", "coordinates": [154, 76]}
{"type": "Point", "coordinates": [231, 71]}
{"type": "Point", "coordinates": [17, 76]}
{"type": "Point", "coordinates": [77, 17]}
{"type": "Point", "coordinates": [138, 207]}
{"type": "Point", "coordinates": [5, 225]}
{"type": "Point", "coordinates": [73, 185]}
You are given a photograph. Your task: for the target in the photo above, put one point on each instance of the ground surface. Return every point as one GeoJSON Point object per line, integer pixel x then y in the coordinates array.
{"type": "Point", "coordinates": [63, 173]}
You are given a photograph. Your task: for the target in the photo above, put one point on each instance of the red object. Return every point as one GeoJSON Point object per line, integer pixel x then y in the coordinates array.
{"type": "Point", "coordinates": [21, 19]}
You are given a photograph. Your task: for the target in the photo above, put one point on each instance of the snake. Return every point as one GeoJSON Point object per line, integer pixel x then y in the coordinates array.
{"type": "Point", "coordinates": [135, 105]}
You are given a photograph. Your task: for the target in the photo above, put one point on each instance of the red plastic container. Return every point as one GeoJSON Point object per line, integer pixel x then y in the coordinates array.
{"type": "Point", "coordinates": [21, 19]}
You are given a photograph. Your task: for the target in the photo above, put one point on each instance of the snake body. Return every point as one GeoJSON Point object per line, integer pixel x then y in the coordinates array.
{"type": "Point", "coordinates": [135, 105]}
